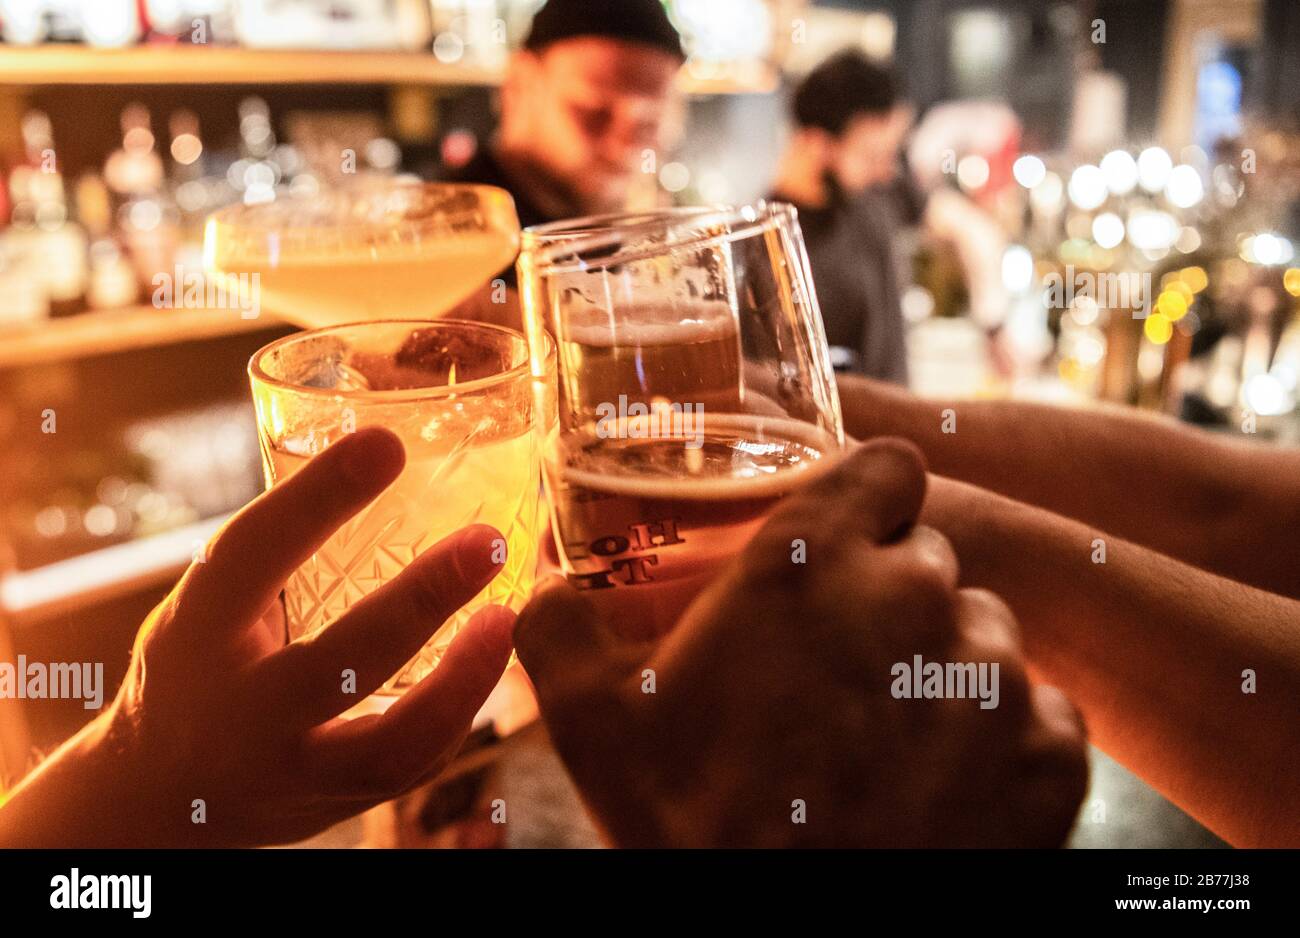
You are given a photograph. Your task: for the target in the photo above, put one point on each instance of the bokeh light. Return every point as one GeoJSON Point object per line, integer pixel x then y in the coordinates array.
{"type": "Point", "coordinates": [1029, 171]}
{"type": "Point", "coordinates": [1158, 328]}
{"type": "Point", "coordinates": [1087, 187]}
{"type": "Point", "coordinates": [1120, 170]}
{"type": "Point", "coordinates": [1154, 167]}
{"type": "Point", "coordinates": [1108, 229]}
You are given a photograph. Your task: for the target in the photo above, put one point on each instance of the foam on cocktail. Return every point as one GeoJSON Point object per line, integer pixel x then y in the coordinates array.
{"type": "Point", "coordinates": [404, 281]}
{"type": "Point", "coordinates": [370, 252]}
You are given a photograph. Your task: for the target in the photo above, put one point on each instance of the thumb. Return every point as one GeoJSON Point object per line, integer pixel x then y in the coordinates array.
{"type": "Point", "coordinates": [564, 646]}
{"type": "Point", "coordinates": [874, 492]}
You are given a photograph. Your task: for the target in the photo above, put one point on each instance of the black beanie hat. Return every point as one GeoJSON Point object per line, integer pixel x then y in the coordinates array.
{"type": "Point", "coordinates": [643, 21]}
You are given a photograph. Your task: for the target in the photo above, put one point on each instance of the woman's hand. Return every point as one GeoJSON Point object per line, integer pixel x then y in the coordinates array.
{"type": "Point", "coordinates": [223, 736]}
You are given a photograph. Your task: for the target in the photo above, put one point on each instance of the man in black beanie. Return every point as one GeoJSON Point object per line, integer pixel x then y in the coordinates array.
{"type": "Point", "coordinates": [583, 100]}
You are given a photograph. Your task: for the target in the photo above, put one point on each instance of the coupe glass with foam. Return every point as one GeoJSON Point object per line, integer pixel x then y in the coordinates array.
{"type": "Point", "coordinates": [369, 250]}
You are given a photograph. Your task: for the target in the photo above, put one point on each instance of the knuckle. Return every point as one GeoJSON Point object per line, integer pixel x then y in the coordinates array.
{"type": "Point", "coordinates": [1014, 691]}
{"type": "Point", "coordinates": [919, 609]}
{"type": "Point", "coordinates": [531, 630]}
{"type": "Point", "coordinates": [987, 619]}
{"type": "Point", "coordinates": [987, 603]}
{"type": "Point", "coordinates": [552, 614]}
{"type": "Point", "coordinates": [924, 585]}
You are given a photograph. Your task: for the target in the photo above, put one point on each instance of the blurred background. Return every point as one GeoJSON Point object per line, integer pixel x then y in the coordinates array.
{"type": "Point", "coordinates": [1135, 165]}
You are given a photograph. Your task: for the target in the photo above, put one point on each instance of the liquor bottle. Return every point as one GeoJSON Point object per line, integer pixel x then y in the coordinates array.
{"type": "Point", "coordinates": [146, 218]}
{"type": "Point", "coordinates": [189, 187]}
{"type": "Point", "coordinates": [112, 283]}
{"type": "Point", "coordinates": [257, 172]}
{"type": "Point", "coordinates": [52, 245]}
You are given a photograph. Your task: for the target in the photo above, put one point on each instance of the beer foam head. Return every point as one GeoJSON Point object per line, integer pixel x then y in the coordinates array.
{"type": "Point", "coordinates": [650, 323]}
{"type": "Point", "coordinates": [744, 457]}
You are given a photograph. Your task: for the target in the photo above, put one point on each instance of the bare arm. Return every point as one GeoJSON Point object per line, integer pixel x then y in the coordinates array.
{"type": "Point", "coordinates": [1157, 655]}
{"type": "Point", "coordinates": [1226, 506]}
{"type": "Point", "coordinates": [217, 715]}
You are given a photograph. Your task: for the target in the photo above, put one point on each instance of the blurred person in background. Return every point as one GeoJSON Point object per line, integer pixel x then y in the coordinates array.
{"type": "Point", "coordinates": [589, 93]}
{"type": "Point", "coordinates": [843, 171]}
{"type": "Point", "coordinates": [582, 100]}
{"type": "Point", "coordinates": [592, 88]}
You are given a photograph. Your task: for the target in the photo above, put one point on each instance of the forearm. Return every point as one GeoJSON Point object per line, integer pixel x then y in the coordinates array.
{"type": "Point", "coordinates": [1231, 508]}
{"type": "Point", "coordinates": [1157, 655]}
{"type": "Point", "coordinates": [78, 798]}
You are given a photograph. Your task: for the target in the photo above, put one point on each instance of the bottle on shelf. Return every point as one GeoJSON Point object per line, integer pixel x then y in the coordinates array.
{"type": "Point", "coordinates": [146, 218]}
{"type": "Point", "coordinates": [44, 249]}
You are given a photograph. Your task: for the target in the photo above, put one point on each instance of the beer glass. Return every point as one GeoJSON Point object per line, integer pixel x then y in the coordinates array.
{"type": "Point", "coordinates": [694, 390]}
{"type": "Point", "coordinates": [373, 249]}
{"type": "Point", "coordinates": [459, 395]}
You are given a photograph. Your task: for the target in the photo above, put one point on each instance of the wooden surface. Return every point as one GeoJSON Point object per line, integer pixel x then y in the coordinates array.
{"type": "Point", "coordinates": [101, 333]}
{"type": "Point", "coordinates": [187, 65]}
{"type": "Point", "coordinates": [228, 65]}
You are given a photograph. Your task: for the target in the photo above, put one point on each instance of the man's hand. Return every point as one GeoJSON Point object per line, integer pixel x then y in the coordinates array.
{"type": "Point", "coordinates": [768, 716]}
{"type": "Point", "coordinates": [216, 710]}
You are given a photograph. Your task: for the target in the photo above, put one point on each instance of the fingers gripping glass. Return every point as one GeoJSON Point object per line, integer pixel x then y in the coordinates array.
{"type": "Point", "coordinates": [460, 397]}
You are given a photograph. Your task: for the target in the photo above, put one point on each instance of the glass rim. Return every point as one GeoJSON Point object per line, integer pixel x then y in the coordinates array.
{"type": "Point", "coordinates": [570, 228]}
{"type": "Point", "coordinates": [258, 375]}
{"type": "Point", "coordinates": [558, 247]}
{"type": "Point", "coordinates": [232, 216]}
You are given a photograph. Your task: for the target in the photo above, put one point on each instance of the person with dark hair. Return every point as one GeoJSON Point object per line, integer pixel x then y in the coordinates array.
{"type": "Point", "coordinates": [841, 171]}
{"type": "Point", "coordinates": [590, 91]}
{"type": "Point", "coordinates": [582, 100]}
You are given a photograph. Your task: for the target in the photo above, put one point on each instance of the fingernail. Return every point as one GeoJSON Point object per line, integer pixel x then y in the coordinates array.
{"type": "Point", "coordinates": [481, 552]}
{"type": "Point", "coordinates": [906, 453]}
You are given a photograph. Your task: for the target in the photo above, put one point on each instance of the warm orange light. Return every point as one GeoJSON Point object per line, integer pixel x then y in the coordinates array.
{"type": "Point", "coordinates": [1291, 280]}
{"type": "Point", "coordinates": [1195, 278]}
{"type": "Point", "coordinates": [186, 148]}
